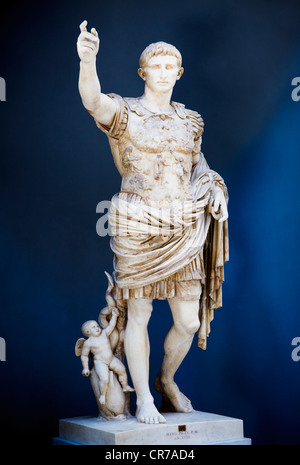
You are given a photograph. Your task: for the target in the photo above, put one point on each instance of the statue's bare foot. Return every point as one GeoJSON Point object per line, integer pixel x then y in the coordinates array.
{"type": "Point", "coordinates": [170, 389]}
{"type": "Point", "coordinates": [147, 413]}
{"type": "Point", "coordinates": [128, 389]}
{"type": "Point", "coordinates": [102, 400]}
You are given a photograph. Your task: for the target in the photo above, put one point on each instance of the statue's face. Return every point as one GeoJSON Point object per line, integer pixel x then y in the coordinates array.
{"type": "Point", "coordinates": [161, 73]}
{"type": "Point", "coordinates": [94, 329]}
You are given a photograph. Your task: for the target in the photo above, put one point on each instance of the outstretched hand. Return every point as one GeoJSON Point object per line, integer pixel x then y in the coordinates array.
{"type": "Point", "coordinates": [87, 43]}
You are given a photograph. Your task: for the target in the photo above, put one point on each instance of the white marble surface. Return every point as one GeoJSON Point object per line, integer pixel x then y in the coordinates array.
{"type": "Point", "coordinates": [181, 428]}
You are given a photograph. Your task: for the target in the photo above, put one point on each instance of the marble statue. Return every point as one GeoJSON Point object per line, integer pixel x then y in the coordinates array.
{"type": "Point", "coordinates": [107, 369]}
{"type": "Point", "coordinates": [169, 220]}
{"type": "Point", "coordinates": [98, 343]}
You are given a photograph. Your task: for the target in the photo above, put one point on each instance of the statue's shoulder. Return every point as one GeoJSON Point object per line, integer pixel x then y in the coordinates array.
{"type": "Point", "coordinates": [195, 117]}
{"type": "Point", "coordinates": [197, 121]}
{"type": "Point", "coordinates": [134, 105]}
{"type": "Point", "coordinates": [124, 103]}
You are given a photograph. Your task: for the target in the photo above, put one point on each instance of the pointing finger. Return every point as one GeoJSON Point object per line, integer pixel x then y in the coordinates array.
{"type": "Point", "coordinates": [93, 31]}
{"type": "Point", "coordinates": [82, 26]}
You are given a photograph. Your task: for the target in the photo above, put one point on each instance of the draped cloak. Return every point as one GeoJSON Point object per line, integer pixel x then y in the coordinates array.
{"type": "Point", "coordinates": [151, 244]}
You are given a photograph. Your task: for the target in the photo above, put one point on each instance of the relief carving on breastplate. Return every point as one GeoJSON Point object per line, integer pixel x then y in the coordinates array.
{"type": "Point", "coordinates": [131, 160]}
{"type": "Point", "coordinates": [161, 161]}
{"type": "Point", "coordinates": [162, 133]}
{"type": "Point", "coordinates": [182, 168]}
{"type": "Point", "coordinates": [156, 151]}
{"type": "Point", "coordinates": [138, 183]}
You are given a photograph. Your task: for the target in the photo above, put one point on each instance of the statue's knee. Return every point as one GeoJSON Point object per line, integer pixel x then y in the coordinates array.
{"type": "Point", "coordinates": [139, 311]}
{"type": "Point", "coordinates": [103, 380]}
{"type": "Point", "coordinates": [193, 327]}
{"type": "Point", "coordinates": [189, 327]}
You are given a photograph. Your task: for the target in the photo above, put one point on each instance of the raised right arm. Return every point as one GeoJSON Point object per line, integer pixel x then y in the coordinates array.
{"type": "Point", "coordinates": [112, 322]}
{"type": "Point", "coordinates": [99, 105]}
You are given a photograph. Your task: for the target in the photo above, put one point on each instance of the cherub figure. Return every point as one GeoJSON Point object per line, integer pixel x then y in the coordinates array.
{"type": "Point", "coordinates": [98, 344]}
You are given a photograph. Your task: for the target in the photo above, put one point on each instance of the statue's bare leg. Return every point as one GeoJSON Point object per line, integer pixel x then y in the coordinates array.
{"type": "Point", "coordinates": [177, 344]}
{"type": "Point", "coordinates": [137, 350]}
{"type": "Point", "coordinates": [103, 375]}
{"type": "Point", "coordinates": [117, 367]}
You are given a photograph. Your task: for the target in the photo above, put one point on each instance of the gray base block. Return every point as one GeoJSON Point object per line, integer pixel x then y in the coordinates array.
{"type": "Point", "coordinates": [197, 428]}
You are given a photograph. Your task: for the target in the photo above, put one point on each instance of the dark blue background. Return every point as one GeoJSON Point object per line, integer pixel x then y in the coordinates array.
{"type": "Point", "coordinates": [239, 58]}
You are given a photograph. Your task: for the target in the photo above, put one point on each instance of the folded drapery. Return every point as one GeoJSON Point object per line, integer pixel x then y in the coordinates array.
{"type": "Point", "coordinates": [154, 244]}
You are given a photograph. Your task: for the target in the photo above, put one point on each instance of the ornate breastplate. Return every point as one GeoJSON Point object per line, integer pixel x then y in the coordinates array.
{"type": "Point", "coordinates": [161, 133]}
{"type": "Point", "coordinates": [155, 153]}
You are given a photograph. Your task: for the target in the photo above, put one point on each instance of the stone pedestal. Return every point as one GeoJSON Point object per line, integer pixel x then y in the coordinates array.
{"type": "Point", "coordinates": [196, 428]}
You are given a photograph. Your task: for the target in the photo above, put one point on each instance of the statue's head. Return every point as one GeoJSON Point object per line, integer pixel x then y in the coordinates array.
{"type": "Point", "coordinates": [160, 59]}
{"type": "Point", "coordinates": [91, 328]}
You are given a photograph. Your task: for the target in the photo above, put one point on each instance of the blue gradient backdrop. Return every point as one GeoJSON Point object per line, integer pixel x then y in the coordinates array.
{"type": "Point", "coordinates": [239, 58]}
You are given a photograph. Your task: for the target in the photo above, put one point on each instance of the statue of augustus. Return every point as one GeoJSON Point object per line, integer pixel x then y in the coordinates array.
{"type": "Point", "coordinates": [169, 220]}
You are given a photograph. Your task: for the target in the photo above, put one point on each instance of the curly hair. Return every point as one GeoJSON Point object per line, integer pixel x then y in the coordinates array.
{"type": "Point", "coordinates": [159, 48]}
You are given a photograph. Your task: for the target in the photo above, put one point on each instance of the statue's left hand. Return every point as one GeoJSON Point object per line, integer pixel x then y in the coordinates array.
{"type": "Point", "coordinates": [220, 205]}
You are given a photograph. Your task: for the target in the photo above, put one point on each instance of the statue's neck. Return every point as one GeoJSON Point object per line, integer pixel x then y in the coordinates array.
{"type": "Point", "coordinates": [156, 102]}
